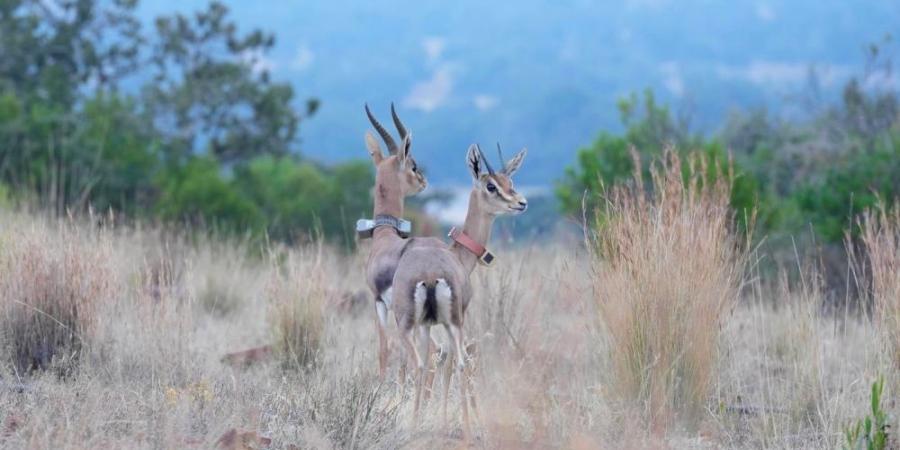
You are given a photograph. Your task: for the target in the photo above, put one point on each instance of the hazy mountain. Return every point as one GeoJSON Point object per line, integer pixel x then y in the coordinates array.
{"type": "Point", "coordinates": [544, 75]}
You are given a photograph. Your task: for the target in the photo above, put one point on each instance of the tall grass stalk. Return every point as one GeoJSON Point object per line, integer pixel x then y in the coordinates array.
{"type": "Point", "coordinates": [881, 239]}
{"type": "Point", "coordinates": [667, 269]}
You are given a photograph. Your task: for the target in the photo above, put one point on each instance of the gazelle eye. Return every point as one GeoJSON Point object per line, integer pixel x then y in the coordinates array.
{"type": "Point", "coordinates": [491, 188]}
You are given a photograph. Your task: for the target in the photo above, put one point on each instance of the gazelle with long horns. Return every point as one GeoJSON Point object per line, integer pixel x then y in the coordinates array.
{"type": "Point", "coordinates": [396, 177]}
{"type": "Point", "coordinates": [431, 285]}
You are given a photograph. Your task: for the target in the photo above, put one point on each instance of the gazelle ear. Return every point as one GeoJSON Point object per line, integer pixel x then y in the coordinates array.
{"type": "Point", "coordinates": [513, 165]}
{"type": "Point", "coordinates": [405, 149]}
{"type": "Point", "coordinates": [473, 160]}
{"type": "Point", "coordinates": [374, 148]}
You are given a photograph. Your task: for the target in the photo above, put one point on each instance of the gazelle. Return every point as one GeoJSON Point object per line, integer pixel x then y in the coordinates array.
{"type": "Point", "coordinates": [431, 285]}
{"type": "Point", "coordinates": [396, 177]}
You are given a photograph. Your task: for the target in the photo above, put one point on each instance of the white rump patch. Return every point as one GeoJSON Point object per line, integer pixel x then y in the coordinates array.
{"type": "Point", "coordinates": [443, 294]}
{"type": "Point", "coordinates": [388, 296]}
{"type": "Point", "coordinates": [419, 295]}
{"type": "Point", "coordinates": [382, 313]}
{"type": "Point", "coordinates": [442, 297]}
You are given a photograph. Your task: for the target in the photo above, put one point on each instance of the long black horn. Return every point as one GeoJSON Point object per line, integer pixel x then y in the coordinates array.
{"type": "Point", "coordinates": [397, 123]}
{"type": "Point", "coordinates": [487, 164]}
{"type": "Point", "coordinates": [502, 161]}
{"type": "Point", "coordinates": [391, 145]}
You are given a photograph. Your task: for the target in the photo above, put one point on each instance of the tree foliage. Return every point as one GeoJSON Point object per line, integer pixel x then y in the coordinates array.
{"type": "Point", "coordinates": [649, 129]}
{"type": "Point", "coordinates": [211, 89]}
{"type": "Point", "coordinates": [819, 173]}
{"type": "Point", "coordinates": [184, 121]}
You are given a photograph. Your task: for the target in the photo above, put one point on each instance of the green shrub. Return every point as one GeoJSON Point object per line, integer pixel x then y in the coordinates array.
{"type": "Point", "coordinates": [870, 433]}
{"type": "Point", "coordinates": [297, 198]}
{"type": "Point", "coordinates": [609, 160]}
{"type": "Point", "coordinates": [850, 185]}
{"type": "Point", "coordinates": [199, 194]}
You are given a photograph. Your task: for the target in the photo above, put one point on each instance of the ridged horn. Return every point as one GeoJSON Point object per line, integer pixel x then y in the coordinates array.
{"type": "Point", "coordinates": [487, 164]}
{"type": "Point", "coordinates": [391, 145]}
{"type": "Point", "coordinates": [397, 123]}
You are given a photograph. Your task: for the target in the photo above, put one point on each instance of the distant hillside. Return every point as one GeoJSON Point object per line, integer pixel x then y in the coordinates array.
{"type": "Point", "coordinates": [545, 74]}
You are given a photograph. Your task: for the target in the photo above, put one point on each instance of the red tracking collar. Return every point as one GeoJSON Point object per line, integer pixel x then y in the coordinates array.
{"type": "Point", "coordinates": [484, 256]}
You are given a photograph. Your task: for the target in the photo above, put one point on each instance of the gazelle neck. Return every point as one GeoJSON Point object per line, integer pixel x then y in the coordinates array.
{"type": "Point", "coordinates": [478, 227]}
{"type": "Point", "coordinates": [388, 201]}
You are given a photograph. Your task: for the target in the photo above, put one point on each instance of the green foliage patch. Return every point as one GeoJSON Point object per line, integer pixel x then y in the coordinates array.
{"type": "Point", "coordinates": [871, 432]}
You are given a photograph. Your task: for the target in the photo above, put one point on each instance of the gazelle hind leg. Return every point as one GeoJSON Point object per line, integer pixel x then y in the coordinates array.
{"type": "Point", "coordinates": [421, 365]}
{"type": "Point", "coordinates": [431, 369]}
{"type": "Point", "coordinates": [406, 339]}
{"type": "Point", "coordinates": [460, 352]}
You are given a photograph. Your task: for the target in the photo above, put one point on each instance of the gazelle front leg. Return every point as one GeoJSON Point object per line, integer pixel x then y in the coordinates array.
{"type": "Point", "coordinates": [384, 350]}
{"type": "Point", "coordinates": [447, 372]}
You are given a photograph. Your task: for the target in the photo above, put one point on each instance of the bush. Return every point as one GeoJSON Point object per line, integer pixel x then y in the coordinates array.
{"type": "Point", "coordinates": [198, 194]}
{"type": "Point", "coordinates": [667, 269]}
{"type": "Point", "coordinates": [50, 293]}
{"type": "Point", "coordinates": [353, 410]}
{"type": "Point", "coordinates": [282, 197]}
{"type": "Point", "coordinates": [850, 185]}
{"type": "Point", "coordinates": [608, 161]}
{"type": "Point", "coordinates": [296, 198]}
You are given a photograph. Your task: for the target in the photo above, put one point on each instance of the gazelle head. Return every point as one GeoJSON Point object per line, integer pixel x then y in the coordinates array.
{"type": "Point", "coordinates": [493, 190]}
{"type": "Point", "coordinates": [398, 171]}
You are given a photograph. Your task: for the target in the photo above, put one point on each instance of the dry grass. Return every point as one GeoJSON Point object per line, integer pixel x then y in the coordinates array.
{"type": "Point", "coordinates": [50, 293]}
{"type": "Point", "coordinates": [774, 389]}
{"type": "Point", "coordinates": [150, 374]}
{"type": "Point", "coordinates": [666, 272]}
{"type": "Point", "coordinates": [881, 238]}
{"type": "Point", "coordinates": [218, 280]}
{"type": "Point", "coordinates": [302, 283]}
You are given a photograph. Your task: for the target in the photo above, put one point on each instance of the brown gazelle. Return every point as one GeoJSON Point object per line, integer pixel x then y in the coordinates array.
{"type": "Point", "coordinates": [396, 177]}
{"type": "Point", "coordinates": [431, 285]}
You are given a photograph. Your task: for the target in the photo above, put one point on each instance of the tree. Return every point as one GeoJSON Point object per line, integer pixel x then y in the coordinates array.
{"type": "Point", "coordinates": [124, 163]}
{"type": "Point", "coordinates": [54, 49]}
{"type": "Point", "coordinates": [54, 52]}
{"type": "Point", "coordinates": [209, 139]}
{"type": "Point", "coordinates": [212, 91]}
